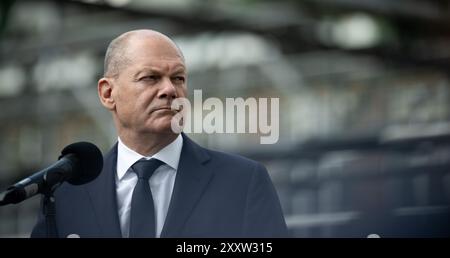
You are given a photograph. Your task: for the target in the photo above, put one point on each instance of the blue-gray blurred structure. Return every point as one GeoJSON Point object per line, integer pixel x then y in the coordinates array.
{"type": "Point", "coordinates": [364, 90]}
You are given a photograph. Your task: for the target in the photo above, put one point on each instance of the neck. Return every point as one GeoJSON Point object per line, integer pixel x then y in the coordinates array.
{"type": "Point", "coordinates": [147, 145]}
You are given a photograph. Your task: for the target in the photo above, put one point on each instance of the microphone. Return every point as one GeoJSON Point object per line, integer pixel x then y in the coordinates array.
{"type": "Point", "coordinates": [79, 163]}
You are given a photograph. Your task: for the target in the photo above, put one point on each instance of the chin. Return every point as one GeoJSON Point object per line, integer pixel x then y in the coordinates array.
{"type": "Point", "coordinates": [163, 125]}
{"type": "Point", "coordinates": [166, 129]}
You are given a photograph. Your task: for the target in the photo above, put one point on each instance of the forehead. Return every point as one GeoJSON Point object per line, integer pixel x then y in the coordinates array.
{"type": "Point", "coordinates": [154, 52]}
{"type": "Point", "coordinates": [160, 47]}
{"type": "Point", "coordinates": [162, 66]}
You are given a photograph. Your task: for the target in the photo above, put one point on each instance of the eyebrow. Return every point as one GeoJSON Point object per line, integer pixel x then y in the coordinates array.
{"type": "Point", "coordinates": [178, 69]}
{"type": "Point", "coordinates": [145, 70]}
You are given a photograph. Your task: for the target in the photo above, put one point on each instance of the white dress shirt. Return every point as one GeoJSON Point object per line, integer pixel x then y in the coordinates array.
{"type": "Point", "coordinates": [161, 182]}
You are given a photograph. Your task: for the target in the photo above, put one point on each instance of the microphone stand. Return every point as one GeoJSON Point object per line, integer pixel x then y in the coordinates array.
{"type": "Point", "coordinates": [49, 211]}
{"type": "Point", "coordinates": [48, 206]}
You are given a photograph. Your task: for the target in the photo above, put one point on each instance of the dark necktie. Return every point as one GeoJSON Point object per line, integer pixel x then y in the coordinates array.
{"type": "Point", "coordinates": [142, 217]}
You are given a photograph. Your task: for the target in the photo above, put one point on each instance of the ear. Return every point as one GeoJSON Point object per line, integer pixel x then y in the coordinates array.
{"type": "Point", "coordinates": [105, 88]}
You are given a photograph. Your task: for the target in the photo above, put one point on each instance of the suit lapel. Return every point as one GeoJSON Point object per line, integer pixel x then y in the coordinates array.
{"type": "Point", "coordinates": [190, 183]}
{"type": "Point", "coordinates": [102, 193]}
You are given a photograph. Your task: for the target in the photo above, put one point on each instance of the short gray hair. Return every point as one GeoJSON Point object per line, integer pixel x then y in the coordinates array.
{"type": "Point", "coordinates": [115, 57]}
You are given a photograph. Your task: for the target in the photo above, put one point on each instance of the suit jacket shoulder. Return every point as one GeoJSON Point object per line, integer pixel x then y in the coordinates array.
{"type": "Point", "coordinates": [242, 191]}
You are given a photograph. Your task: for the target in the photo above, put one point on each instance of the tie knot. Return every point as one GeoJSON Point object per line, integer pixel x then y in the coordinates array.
{"type": "Point", "coordinates": [145, 168]}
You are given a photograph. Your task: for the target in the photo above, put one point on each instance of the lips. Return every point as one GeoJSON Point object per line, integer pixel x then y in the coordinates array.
{"type": "Point", "coordinates": [164, 108]}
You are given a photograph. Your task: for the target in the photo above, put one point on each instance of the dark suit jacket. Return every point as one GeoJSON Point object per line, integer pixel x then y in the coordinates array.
{"type": "Point", "coordinates": [215, 195]}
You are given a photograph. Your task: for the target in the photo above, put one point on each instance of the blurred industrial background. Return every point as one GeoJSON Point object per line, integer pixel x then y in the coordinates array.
{"type": "Point", "coordinates": [364, 89]}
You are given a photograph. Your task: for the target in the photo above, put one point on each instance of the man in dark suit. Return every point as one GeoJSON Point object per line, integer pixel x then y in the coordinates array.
{"type": "Point", "coordinates": [154, 182]}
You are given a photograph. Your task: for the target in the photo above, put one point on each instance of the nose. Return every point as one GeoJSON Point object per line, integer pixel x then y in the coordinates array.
{"type": "Point", "coordinates": [167, 90]}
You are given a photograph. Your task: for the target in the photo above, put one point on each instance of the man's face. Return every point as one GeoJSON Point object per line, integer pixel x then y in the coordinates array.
{"type": "Point", "coordinates": [145, 88]}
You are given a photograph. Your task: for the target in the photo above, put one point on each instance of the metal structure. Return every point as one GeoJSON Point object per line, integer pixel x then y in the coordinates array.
{"type": "Point", "coordinates": [364, 94]}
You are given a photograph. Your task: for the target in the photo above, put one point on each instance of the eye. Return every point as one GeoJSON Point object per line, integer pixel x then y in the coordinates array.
{"type": "Point", "coordinates": [179, 79]}
{"type": "Point", "coordinates": [150, 78]}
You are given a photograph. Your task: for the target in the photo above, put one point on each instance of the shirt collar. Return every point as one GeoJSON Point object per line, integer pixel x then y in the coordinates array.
{"type": "Point", "coordinates": [126, 157]}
